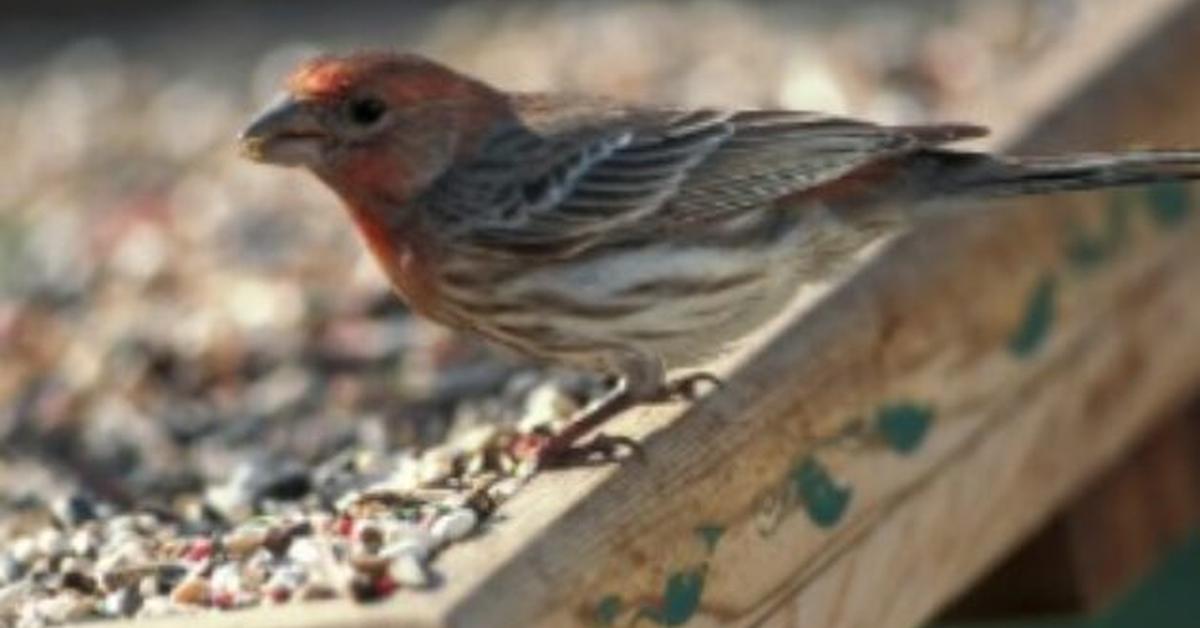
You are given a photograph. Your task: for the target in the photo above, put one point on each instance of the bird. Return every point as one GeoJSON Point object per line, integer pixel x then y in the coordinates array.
{"type": "Point", "coordinates": [628, 240]}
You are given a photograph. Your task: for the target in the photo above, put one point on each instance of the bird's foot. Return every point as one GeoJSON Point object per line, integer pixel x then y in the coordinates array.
{"type": "Point", "coordinates": [689, 387]}
{"type": "Point", "coordinates": [561, 449]}
{"type": "Point", "coordinates": [600, 449]}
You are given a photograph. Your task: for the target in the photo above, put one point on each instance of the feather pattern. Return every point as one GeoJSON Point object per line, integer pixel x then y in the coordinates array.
{"type": "Point", "coordinates": [592, 173]}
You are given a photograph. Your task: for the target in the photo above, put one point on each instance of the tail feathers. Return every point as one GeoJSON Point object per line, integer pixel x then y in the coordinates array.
{"type": "Point", "coordinates": [978, 175]}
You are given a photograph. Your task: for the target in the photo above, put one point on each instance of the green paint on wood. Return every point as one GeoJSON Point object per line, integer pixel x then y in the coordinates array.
{"type": "Point", "coordinates": [1038, 319]}
{"type": "Point", "coordinates": [681, 596]}
{"type": "Point", "coordinates": [680, 600]}
{"type": "Point", "coordinates": [824, 500]}
{"type": "Point", "coordinates": [1086, 250]}
{"type": "Point", "coordinates": [904, 425]}
{"type": "Point", "coordinates": [710, 534]}
{"type": "Point", "coordinates": [608, 610]}
{"type": "Point", "coordinates": [1170, 204]}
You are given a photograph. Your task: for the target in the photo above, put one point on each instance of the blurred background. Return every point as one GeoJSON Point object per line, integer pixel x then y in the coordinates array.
{"type": "Point", "coordinates": [172, 315]}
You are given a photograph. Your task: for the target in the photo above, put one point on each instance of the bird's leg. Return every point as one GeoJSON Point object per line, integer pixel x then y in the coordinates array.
{"type": "Point", "coordinates": [561, 449]}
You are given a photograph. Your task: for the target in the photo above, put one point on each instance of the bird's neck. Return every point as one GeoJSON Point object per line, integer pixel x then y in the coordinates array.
{"type": "Point", "coordinates": [404, 251]}
{"type": "Point", "coordinates": [387, 233]}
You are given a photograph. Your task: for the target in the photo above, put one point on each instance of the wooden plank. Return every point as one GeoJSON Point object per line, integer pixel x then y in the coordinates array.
{"type": "Point", "coordinates": [870, 457]}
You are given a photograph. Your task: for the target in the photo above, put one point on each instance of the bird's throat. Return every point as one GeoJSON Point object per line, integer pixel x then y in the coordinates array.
{"type": "Point", "coordinates": [403, 254]}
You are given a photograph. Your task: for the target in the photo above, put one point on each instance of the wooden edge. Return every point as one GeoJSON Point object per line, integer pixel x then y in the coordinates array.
{"type": "Point", "coordinates": [969, 303]}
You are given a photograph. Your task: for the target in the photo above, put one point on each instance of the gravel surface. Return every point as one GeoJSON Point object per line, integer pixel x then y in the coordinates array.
{"type": "Point", "coordinates": [208, 397]}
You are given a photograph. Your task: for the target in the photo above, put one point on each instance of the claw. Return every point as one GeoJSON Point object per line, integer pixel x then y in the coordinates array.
{"type": "Point", "coordinates": [688, 387]}
{"type": "Point", "coordinates": [559, 450]}
{"type": "Point", "coordinates": [601, 449]}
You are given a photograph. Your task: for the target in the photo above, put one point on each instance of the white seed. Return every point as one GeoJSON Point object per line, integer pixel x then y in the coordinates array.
{"type": "Point", "coordinates": [546, 404]}
{"type": "Point", "coordinates": [254, 573]}
{"type": "Point", "coordinates": [243, 542]}
{"type": "Point", "coordinates": [148, 586]}
{"type": "Point", "coordinates": [346, 501]}
{"type": "Point", "coordinates": [405, 474]}
{"type": "Point", "coordinates": [506, 488]}
{"type": "Point", "coordinates": [288, 578]}
{"type": "Point", "coordinates": [157, 607]}
{"type": "Point", "coordinates": [24, 550]}
{"type": "Point", "coordinates": [51, 542]}
{"type": "Point", "coordinates": [454, 525]}
{"type": "Point", "coordinates": [477, 438]}
{"type": "Point", "coordinates": [408, 571]}
{"type": "Point", "coordinates": [420, 546]}
{"type": "Point", "coordinates": [126, 554]}
{"type": "Point", "coordinates": [305, 551]}
{"type": "Point", "coordinates": [121, 524]}
{"type": "Point", "coordinates": [63, 608]}
{"type": "Point", "coordinates": [399, 532]}
{"type": "Point", "coordinates": [122, 603]}
{"type": "Point", "coordinates": [436, 464]}
{"type": "Point", "coordinates": [227, 578]}
{"type": "Point", "coordinates": [11, 595]}
{"type": "Point", "coordinates": [84, 543]}
{"type": "Point", "coordinates": [320, 520]}
{"type": "Point", "coordinates": [74, 564]}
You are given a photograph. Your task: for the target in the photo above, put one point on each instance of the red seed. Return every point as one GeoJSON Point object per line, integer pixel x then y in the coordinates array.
{"type": "Point", "coordinates": [199, 550]}
{"type": "Point", "coordinates": [279, 595]}
{"type": "Point", "coordinates": [385, 585]}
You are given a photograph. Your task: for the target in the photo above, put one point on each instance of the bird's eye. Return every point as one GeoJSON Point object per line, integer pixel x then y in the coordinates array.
{"type": "Point", "coordinates": [366, 111]}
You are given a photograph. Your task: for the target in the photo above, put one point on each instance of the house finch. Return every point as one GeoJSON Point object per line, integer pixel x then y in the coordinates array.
{"type": "Point", "coordinates": [624, 239]}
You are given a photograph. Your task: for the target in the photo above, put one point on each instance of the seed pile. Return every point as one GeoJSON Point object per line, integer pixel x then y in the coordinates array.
{"type": "Point", "coordinates": [360, 525]}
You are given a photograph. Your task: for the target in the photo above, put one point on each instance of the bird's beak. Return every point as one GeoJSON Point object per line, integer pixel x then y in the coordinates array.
{"type": "Point", "coordinates": [288, 133]}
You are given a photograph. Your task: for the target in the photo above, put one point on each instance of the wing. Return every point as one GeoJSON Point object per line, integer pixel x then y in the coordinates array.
{"type": "Point", "coordinates": [593, 174]}
{"type": "Point", "coordinates": [775, 154]}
